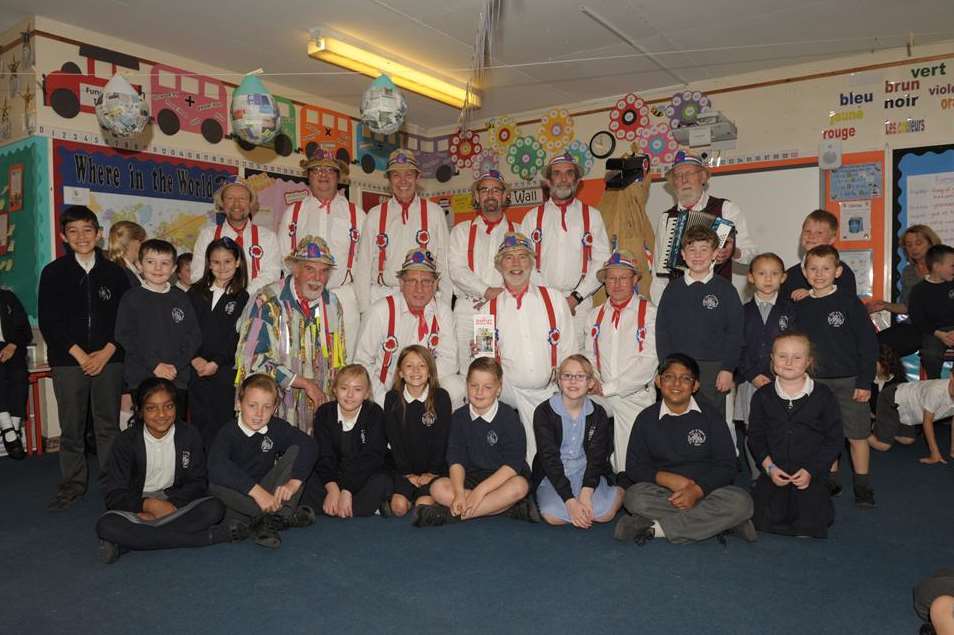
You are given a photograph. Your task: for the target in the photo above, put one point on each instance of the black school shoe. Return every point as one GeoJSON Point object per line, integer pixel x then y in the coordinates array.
{"type": "Point", "coordinates": [108, 552]}
{"type": "Point", "coordinates": [864, 497]}
{"type": "Point", "coordinates": [526, 510]}
{"type": "Point", "coordinates": [62, 500]}
{"type": "Point", "coordinates": [634, 528]}
{"type": "Point", "coordinates": [834, 487]}
{"type": "Point", "coordinates": [745, 531]}
{"type": "Point", "coordinates": [304, 516]}
{"type": "Point", "coordinates": [265, 531]}
{"type": "Point", "coordinates": [432, 516]}
{"type": "Point", "coordinates": [233, 531]}
{"type": "Point", "coordinates": [13, 445]}
{"type": "Point", "coordinates": [384, 510]}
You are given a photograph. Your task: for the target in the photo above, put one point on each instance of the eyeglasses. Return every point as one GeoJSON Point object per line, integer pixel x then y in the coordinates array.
{"type": "Point", "coordinates": [324, 171]}
{"type": "Point", "coordinates": [490, 190]}
{"type": "Point", "coordinates": [573, 377]}
{"type": "Point", "coordinates": [686, 175]}
{"type": "Point", "coordinates": [685, 380]}
{"type": "Point", "coordinates": [425, 283]}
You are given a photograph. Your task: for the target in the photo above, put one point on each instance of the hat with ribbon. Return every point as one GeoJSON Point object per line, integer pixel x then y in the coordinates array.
{"type": "Point", "coordinates": [513, 241]}
{"type": "Point", "coordinates": [402, 159]}
{"type": "Point", "coordinates": [311, 249]}
{"type": "Point", "coordinates": [619, 259]}
{"type": "Point", "coordinates": [418, 260]}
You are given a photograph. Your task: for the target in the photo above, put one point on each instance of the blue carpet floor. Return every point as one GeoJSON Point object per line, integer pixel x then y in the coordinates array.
{"type": "Point", "coordinates": [489, 576]}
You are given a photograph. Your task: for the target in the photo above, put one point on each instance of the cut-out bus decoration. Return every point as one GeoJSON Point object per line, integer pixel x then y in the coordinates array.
{"type": "Point", "coordinates": [69, 91]}
{"type": "Point", "coordinates": [433, 155]}
{"type": "Point", "coordinates": [182, 100]}
{"type": "Point", "coordinates": [286, 141]}
{"type": "Point", "coordinates": [326, 129]}
{"type": "Point", "coordinates": [374, 148]}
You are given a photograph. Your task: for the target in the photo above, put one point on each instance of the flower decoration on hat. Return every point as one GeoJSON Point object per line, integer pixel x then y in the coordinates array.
{"type": "Point", "coordinates": [419, 260]}
{"type": "Point", "coordinates": [581, 154]}
{"type": "Point", "coordinates": [556, 130]}
{"type": "Point", "coordinates": [526, 157]}
{"type": "Point", "coordinates": [629, 115]}
{"type": "Point", "coordinates": [464, 147]}
{"type": "Point", "coordinates": [502, 132]}
{"type": "Point", "coordinates": [657, 141]}
{"type": "Point", "coordinates": [486, 161]}
{"type": "Point", "coordinates": [313, 248]}
{"type": "Point", "coordinates": [684, 108]}
{"type": "Point", "coordinates": [513, 240]}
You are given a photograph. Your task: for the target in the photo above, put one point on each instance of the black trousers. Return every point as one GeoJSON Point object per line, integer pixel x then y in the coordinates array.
{"type": "Point", "coordinates": [13, 389]}
{"type": "Point", "coordinates": [243, 508]}
{"type": "Point", "coordinates": [364, 502]}
{"type": "Point", "coordinates": [932, 354]}
{"type": "Point", "coordinates": [211, 403]}
{"type": "Point", "coordinates": [186, 527]}
{"type": "Point", "coordinates": [904, 338]}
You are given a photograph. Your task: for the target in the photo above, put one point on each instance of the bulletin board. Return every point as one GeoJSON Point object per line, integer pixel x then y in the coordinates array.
{"type": "Point", "coordinates": [923, 180]}
{"type": "Point", "coordinates": [855, 194]}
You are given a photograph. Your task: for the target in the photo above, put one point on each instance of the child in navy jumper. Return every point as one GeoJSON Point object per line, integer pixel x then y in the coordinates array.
{"type": "Point", "coordinates": [795, 433]}
{"type": "Point", "coordinates": [259, 463]}
{"type": "Point", "coordinates": [682, 463]}
{"type": "Point", "coordinates": [15, 336]}
{"type": "Point", "coordinates": [218, 299]}
{"type": "Point", "coordinates": [820, 228]}
{"type": "Point", "coordinates": [78, 300]}
{"type": "Point", "coordinates": [932, 309]}
{"type": "Point", "coordinates": [417, 414]}
{"type": "Point", "coordinates": [701, 316]}
{"type": "Point", "coordinates": [350, 475]}
{"type": "Point", "coordinates": [155, 483]}
{"type": "Point", "coordinates": [766, 315]}
{"type": "Point", "coordinates": [157, 325]}
{"type": "Point", "coordinates": [846, 351]}
{"type": "Point", "coordinates": [486, 453]}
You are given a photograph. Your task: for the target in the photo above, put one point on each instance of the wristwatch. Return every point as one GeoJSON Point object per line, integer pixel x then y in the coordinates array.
{"type": "Point", "coordinates": [576, 296]}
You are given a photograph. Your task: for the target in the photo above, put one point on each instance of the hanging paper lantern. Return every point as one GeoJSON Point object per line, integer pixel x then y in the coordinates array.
{"type": "Point", "coordinates": [120, 110]}
{"type": "Point", "coordinates": [383, 106]}
{"type": "Point", "coordinates": [485, 162]}
{"type": "Point", "coordinates": [685, 107]}
{"type": "Point", "coordinates": [629, 115]}
{"type": "Point", "coordinates": [255, 116]}
{"type": "Point", "coordinates": [464, 146]}
{"type": "Point", "coordinates": [657, 141]}
{"type": "Point", "coordinates": [581, 155]}
{"type": "Point", "coordinates": [556, 130]}
{"type": "Point", "coordinates": [525, 156]}
{"type": "Point", "coordinates": [502, 132]}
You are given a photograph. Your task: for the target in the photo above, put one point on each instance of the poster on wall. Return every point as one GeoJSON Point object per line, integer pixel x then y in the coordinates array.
{"type": "Point", "coordinates": [170, 197]}
{"type": "Point", "coordinates": [275, 192]}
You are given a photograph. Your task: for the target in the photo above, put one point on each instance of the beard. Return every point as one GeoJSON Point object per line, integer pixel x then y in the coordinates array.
{"type": "Point", "coordinates": [490, 206]}
{"type": "Point", "coordinates": [563, 192]}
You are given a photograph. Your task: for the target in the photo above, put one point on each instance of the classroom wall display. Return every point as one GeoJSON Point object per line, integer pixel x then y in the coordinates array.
{"type": "Point", "coordinates": [433, 155]}
{"type": "Point", "coordinates": [170, 197]}
{"type": "Point", "coordinates": [24, 218]}
{"type": "Point", "coordinates": [275, 192]}
{"type": "Point", "coordinates": [923, 180]}
{"type": "Point", "coordinates": [328, 130]}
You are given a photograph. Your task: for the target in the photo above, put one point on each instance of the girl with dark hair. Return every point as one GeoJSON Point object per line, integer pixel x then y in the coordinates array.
{"type": "Point", "coordinates": [155, 483]}
{"type": "Point", "coordinates": [417, 415]}
{"type": "Point", "coordinates": [218, 299]}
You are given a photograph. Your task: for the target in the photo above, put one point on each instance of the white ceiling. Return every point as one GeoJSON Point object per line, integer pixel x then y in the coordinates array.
{"type": "Point", "coordinates": [694, 39]}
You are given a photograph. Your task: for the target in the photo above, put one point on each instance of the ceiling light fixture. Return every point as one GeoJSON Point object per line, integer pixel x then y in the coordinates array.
{"type": "Point", "coordinates": [340, 53]}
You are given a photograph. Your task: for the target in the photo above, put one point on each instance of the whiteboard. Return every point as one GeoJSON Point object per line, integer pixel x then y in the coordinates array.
{"type": "Point", "coordinates": [774, 202]}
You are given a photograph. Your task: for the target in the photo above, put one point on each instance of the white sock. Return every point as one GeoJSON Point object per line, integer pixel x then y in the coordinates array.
{"type": "Point", "coordinates": [658, 530]}
{"type": "Point", "coordinates": [5, 421]}
{"type": "Point", "coordinates": [16, 423]}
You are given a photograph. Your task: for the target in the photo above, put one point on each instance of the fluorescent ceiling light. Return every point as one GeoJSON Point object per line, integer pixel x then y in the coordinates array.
{"type": "Point", "coordinates": [339, 53]}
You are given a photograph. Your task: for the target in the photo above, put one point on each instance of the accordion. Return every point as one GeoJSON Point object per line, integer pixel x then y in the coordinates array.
{"type": "Point", "coordinates": [670, 258]}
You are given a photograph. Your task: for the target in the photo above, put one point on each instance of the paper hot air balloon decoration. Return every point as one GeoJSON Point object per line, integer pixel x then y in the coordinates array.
{"type": "Point", "coordinates": [255, 115]}
{"type": "Point", "coordinates": [120, 109]}
{"type": "Point", "coordinates": [383, 106]}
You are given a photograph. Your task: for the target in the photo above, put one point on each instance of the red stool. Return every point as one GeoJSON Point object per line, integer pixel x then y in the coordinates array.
{"type": "Point", "coordinates": [34, 418]}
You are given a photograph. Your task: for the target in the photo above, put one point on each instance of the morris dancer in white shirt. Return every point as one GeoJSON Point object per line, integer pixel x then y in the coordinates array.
{"type": "Point", "coordinates": [569, 240]}
{"type": "Point", "coordinates": [326, 213]}
{"type": "Point", "coordinates": [397, 225]}
{"type": "Point", "coordinates": [473, 250]}
{"type": "Point", "coordinates": [621, 344]}
{"type": "Point", "coordinates": [535, 332]}
{"type": "Point", "coordinates": [262, 251]}
{"type": "Point", "coordinates": [412, 316]}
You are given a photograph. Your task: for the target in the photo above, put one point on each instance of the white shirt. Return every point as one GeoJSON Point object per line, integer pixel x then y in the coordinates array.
{"type": "Point", "coordinates": [347, 424]}
{"type": "Point", "coordinates": [804, 391]}
{"type": "Point", "coordinates": [370, 353]}
{"type": "Point", "coordinates": [166, 287]}
{"type": "Point", "coordinates": [689, 280]}
{"type": "Point", "coordinates": [409, 398]}
{"type": "Point", "coordinates": [248, 431]}
{"type": "Point", "coordinates": [269, 265]}
{"type": "Point", "coordinates": [834, 287]}
{"type": "Point", "coordinates": [474, 283]}
{"type": "Point", "coordinates": [217, 293]}
{"type": "Point", "coordinates": [624, 369]}
{"type": "Point", "coordinates": [561, 254]}
{"type": "Point", "coordinates": [487, 416]}
{"type": "Point", "coordinates": [88, 263]}
{"type": "Point", "coordinates": [160, 460]}
{"type": "Point", "coordinates": [401, 238]}
{"type": "Point", "coordinates": [916, 397]}
{"type": "Point", "coordinates": [664, 409]}
{"type": "Point", "coordinates": [522, 344]}
{"type": "Point", "coordinates": [129, 266]}
{"type": "Point", "coordinates": [332, 224]}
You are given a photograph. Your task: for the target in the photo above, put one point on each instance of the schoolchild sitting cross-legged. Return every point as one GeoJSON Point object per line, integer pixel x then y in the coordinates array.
{"type": "Point", "coordinates": [258, 465]}
{"type": "Point", "coordinates": [574, 441]}
{"type": "Point", "coordinates": [486, 453]}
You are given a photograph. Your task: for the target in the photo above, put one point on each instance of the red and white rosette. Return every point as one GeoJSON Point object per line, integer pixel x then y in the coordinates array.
{"type": "Point", "coordinates": [256, 251]}
{"type": "Point", "coordinates": [390, 344]}
{"type": "Point", "coordinates": [595, 331]}
{"type": "Point", "coordinates": [292, 228]}
{"type": "Point", "coordinates": [464, 147]}
{"type": "Point", "coordinates": [629, 115]}
{"type": "Point", "coordinates": [381, 241]}
{"type": "Point", "coordinates": [355, 234]}
{"type": "Point", "coordinates": [433, 340]}
{"type": "Point", "coordinates": [553, 337]}
{"type": "Point", "coordinates": [536, 235]}
{"type": "Point", "coordinates": [423, 237]}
